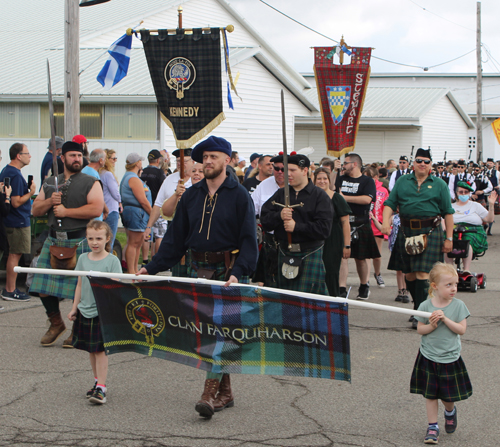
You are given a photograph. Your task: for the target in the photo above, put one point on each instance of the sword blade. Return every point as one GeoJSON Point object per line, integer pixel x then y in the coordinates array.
{"type": "Point", "coordinates": [52, 126]}
{"type": "Point", "coordinates": [285, 154]}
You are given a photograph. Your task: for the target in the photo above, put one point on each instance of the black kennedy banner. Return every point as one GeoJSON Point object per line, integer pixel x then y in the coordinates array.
{"type": "Point", "coordinates": [186, 74]}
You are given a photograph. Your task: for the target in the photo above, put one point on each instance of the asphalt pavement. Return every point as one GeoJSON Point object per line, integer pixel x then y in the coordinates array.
{"type": "Point", "coordinates": [151, 401]}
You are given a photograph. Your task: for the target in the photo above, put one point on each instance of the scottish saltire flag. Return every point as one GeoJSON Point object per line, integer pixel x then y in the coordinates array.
{"type": "Point", "coordinates": [243, 330]}
{"type": "Point", "coordinates": [116, 67]}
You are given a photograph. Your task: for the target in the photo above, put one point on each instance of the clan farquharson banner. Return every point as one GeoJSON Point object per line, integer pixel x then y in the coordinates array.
{"type": "Point", "coordinates": [225, 330]}
{"type": "Point", "coordinates": [341, 93]}
{"type": "Point", "coordinates": [186, 74]}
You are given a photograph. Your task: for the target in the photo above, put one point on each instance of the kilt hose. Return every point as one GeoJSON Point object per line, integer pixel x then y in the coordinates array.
{"type": "Point", "coordinates": [447, 381]}
{"type": "Point", "coordinates": [400, 260]}
{"type": "Point", "coordinates": [87, 334]}
{"type": "Point", "coordinates": [312, 275]}
{"type": "Point", "coordinates": [57, 285]}
{"type": "Point", "coordinates": [365, 247]}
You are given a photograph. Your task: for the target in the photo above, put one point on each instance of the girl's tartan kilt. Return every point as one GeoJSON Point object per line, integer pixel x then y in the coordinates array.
{"type": "Point", "coordinates": [447, 381]}
{"type": "Point", "coordinates": [57, 285]}
{"type": "Point", "coordinates": [400, 260]}
{"type": "Point", "coordinates": [87, 334]}
{"type": "Point", "coordinates": [312, 276]}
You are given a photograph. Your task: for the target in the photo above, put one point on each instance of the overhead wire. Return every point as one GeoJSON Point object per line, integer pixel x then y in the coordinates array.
{"type": "Point", "coordinates": [443, 18]}
{"type": "Point", "coordinates": [374, 57]}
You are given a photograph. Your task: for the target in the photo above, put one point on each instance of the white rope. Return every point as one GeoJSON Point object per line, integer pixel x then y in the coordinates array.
{"type": "Point", "coordinates": [311, 296]}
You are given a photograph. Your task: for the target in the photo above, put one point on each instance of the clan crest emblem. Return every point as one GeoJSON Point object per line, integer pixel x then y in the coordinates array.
{"type": "Point", "coordinates": [180, 74]}
{"type": "Point", "coordinates": [146, 318]}
{"type": "Point", "coordinates": [339, 98]}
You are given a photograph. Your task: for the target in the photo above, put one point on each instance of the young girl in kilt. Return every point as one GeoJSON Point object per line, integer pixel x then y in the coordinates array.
{"type": "Point", "coordinates": [439, 371]}
{"type": "Point", "coordinates": [86, 329]}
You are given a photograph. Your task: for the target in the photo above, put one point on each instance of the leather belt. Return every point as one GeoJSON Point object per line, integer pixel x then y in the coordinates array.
{"type": "Point", "coordinates": [302, 246]}
{"type": "Point", "coordinates": [417, 224]}
{"type": "Point", "coordinates": [210, 257]}
{"type": "Point", "coordinates": [77, 234]}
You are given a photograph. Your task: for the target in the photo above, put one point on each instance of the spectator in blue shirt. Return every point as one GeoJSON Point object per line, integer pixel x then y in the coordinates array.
{"type": "Point", "coordinates": [49, 159]}
{"type": "Point", "coordinates": [17, 223]}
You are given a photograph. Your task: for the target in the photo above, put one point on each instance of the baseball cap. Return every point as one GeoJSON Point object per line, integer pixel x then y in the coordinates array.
{"type": "Point", "coordinates": [59, 143]}
{"type": "Point", "coordinates": [155, 154]}
{"type": "Point", "coordinates": [254, 156]}
{"type": "Point", "coordinates": [79, 139]}
{"type": "Point", "coordinates": [134, 157]}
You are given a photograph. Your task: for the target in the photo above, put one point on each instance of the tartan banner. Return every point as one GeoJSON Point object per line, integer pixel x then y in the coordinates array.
{"type": "Point", "coordinates": [242, 330]}
{"type": "Point", "coordinates": [341, 93]}
{"type": "Point", "coordinates": [186, 73]}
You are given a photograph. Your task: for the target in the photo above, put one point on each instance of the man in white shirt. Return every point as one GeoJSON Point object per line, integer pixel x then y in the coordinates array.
{"type": "Point", "coordinates": [404, 168]}
{"type": "Point", "coordinates": [168, 187]}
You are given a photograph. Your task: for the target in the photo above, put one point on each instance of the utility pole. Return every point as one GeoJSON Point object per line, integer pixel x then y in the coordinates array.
{"type": "Point", "coordinates": [479, 99]}
{"type": "Point", "coordinates": [71, 69]}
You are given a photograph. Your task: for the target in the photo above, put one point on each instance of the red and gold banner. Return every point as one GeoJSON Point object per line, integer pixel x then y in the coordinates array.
{"type": "Point", "coordinates": [496, 129]}
{"type": "Point", "coordinates": [341, 93]}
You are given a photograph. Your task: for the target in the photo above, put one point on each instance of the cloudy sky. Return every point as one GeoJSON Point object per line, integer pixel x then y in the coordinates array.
{"type": "Point", "coordinates": [418, 33]}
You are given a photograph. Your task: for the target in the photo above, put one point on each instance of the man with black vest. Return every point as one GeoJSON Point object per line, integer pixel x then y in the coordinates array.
{"type": "Point", "coordinates": [461, 176]}
{"type": "Point", "coordinates": [441, 172]}
{"type": "Point", "coordinates": [482, 183]}
{"type": "Point", "coordinates": [77, 200]}
{"type": "Point", "coordinates": [404, 168]}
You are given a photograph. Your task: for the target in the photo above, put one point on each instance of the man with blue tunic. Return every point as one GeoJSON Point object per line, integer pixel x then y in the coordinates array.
{"type": "Point", "coordinates": [215, 220]}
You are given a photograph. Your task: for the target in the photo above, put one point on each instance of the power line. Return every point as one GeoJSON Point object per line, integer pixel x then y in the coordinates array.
{"type": "Point", "coordinates": [374, 57]}
{"type": "Point", "coordinates": [443, 18]}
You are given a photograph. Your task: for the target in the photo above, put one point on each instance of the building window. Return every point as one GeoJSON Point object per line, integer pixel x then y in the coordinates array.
{"type": "Point", "coordinates": [90, 120]}
{"type": "Point", "coordinates": [18, 120]}
{"type": "Point", "coordinates": [133, 122]}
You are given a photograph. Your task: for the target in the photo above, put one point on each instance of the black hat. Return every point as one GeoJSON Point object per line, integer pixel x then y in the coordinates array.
{"type": "Point", "coordinates": [490, 159]}
{"type": "Point", "coordinates": [440, 163]}
{"type": "Point", "coordinates": [423, 153]}
{"type": "Point", "coordinates": [211, 144]}
{"type": "Point", "coordinates": [403, 157]}
{"type": "Point", "coordinates": [155, 154]}
{"type": "Point", "coordinates": [254, 156]}
{"type": "Point", "coordinates": [71, 146]}
{"type": "Point", "coordinates": [187, 152]}
{"type": "Point", "coordinates": [461, 163]}
{"type": "Point", "coordinates": [475, 165]}
{"type": "Point", "coordinates": [278, 158]}
{"type": "Point", "coordinates": [299, 159]}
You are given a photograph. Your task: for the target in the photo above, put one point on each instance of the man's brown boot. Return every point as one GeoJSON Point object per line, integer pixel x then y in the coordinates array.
{"type": "Point", "coordinates": [68, 343]}
{"type": "Point", "coordinates": [56, 329]}
{"type": "Point", "coordinates": [205, 405]}
{"type": "Point", "coordinates": [225, 398]}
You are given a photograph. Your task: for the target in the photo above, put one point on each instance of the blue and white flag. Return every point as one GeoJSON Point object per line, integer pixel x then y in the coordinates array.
{"type": "Point", "coordinates": [116, 67]}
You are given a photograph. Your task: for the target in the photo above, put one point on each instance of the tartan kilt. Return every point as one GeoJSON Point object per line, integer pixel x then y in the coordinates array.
{"type": "Point", "coordinates": [312, 276]}
{"type": "Point", "coordinates": [87, 334]}
{"type": "Point", "coordinates": [478, 241]}
{"type": "Point", "coordinates": [57, 285]}
{"type": "Point", "coordinates": [219, 267]}
{"type": "Point", "coordinates": [447, 381]}
{"type": "Point", "coordinates": [183, 271]}
{"type": "Point", "coordinates": [365, 247]}
{"type": "Point", "coordinates": [400, 260]}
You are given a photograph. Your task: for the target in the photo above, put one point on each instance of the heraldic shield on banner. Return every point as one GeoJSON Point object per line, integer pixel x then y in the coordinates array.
{"type": "Point", "coordinates": [186, 73]}
{"type": "Point", "coordinates": [341, 92]}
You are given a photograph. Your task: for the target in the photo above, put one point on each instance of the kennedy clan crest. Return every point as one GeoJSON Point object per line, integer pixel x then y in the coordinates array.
{"type": "Point", "coordinates": [180, 75]}
{"type": "Point", "coordinates": [146, 318]}
{"type": "Point", "coordinates": [339, 99]}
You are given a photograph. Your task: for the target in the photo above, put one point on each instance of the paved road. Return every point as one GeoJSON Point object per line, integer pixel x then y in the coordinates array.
{"type": "Point", "coordinates": [151, 402]}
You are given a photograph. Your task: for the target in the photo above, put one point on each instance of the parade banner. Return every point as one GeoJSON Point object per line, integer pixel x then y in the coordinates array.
{"type": "Point", "coordinates": [341, 93]}
{"type": "Point", "coordinates": [496, 129]}
{"type": "Point", "coordinates": [186, 73]}
{"type": "Point", "coordinates": [242, 330]}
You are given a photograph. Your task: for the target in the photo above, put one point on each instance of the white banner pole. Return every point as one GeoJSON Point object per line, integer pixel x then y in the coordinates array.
{"type": "Point", "coordinates": [311, 296]}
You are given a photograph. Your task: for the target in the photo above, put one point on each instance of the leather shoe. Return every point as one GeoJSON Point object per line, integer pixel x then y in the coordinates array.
{"type": "Point", "coordinates": [225, 398]}
{"type": "Point", "coordinates": [205, 406]}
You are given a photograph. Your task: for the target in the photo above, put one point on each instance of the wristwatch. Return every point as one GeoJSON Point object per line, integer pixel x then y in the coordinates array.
{"type": "Point", "coordinates": [347, 246]}
{"type": "Point", "coordinates": [449, 239]}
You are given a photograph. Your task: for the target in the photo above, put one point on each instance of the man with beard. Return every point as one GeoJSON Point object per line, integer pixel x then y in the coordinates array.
{"type": "Point", "coordinates": [79, 199]}
{"type": "Point", "coordinates": [215, 220]}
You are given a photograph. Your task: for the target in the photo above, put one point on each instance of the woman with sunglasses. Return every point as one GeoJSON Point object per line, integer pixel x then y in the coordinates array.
{"type": "Point", "coordinates": [423, 200]}
{"type": "Point", "coordinates": [111, 190]}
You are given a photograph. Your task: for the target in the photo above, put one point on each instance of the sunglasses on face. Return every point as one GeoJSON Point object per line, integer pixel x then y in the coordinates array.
{"type": "Point", "coordinates": [419, 160]}
{"type": "Point", "coordinates": [279, 169]}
